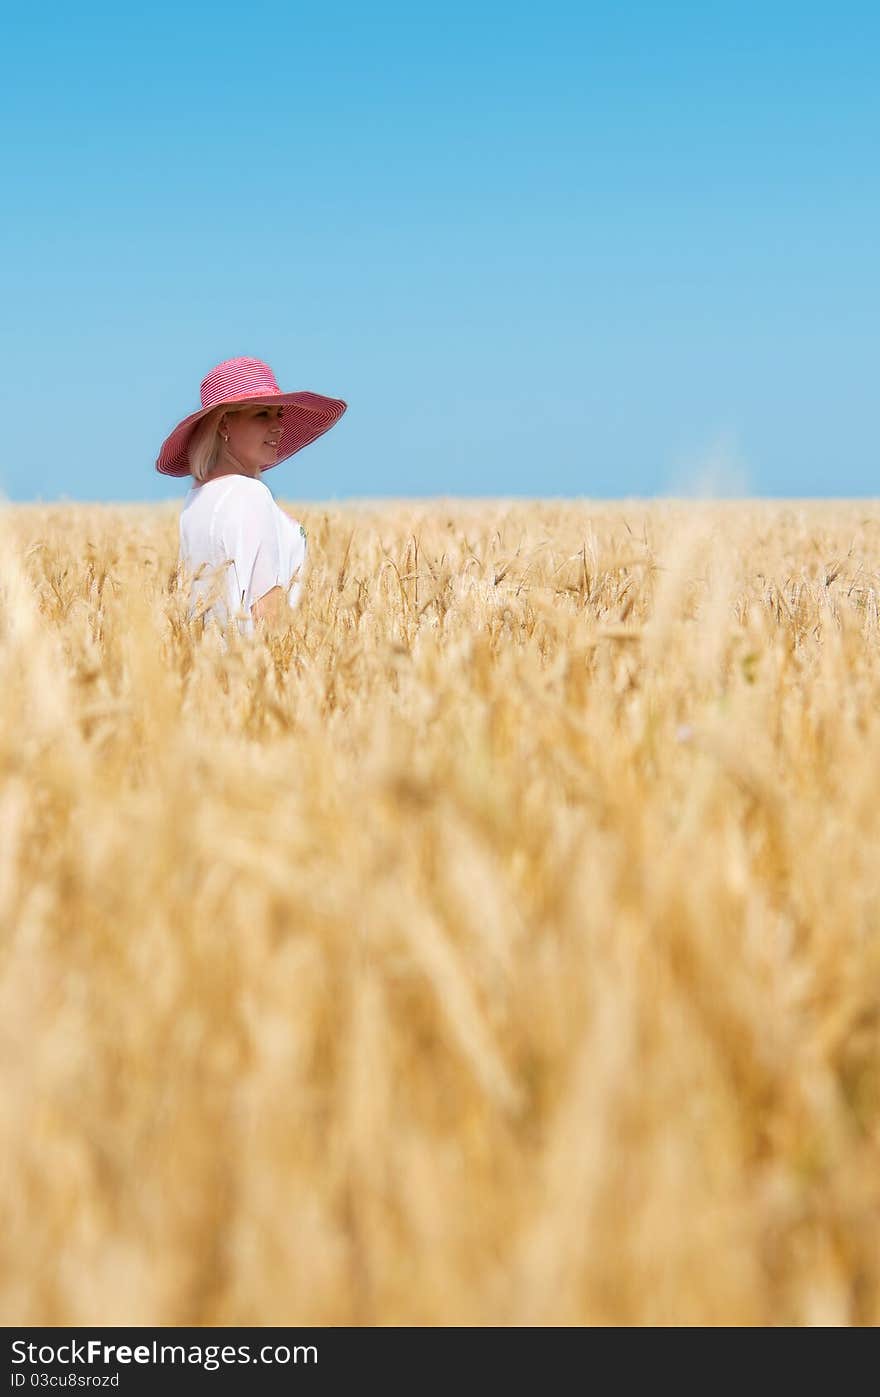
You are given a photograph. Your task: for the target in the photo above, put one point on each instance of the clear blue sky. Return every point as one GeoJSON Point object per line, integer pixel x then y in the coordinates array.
{"type": "Point", "coordinates": [545, 250]}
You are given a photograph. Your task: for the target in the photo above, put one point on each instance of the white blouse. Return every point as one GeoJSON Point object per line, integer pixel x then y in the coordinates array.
{"type": "Point", "coordinates": [236, 545]}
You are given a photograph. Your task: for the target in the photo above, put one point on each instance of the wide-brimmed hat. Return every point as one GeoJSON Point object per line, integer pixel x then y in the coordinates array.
{"type": "Point", "coordinates": [307, 416]}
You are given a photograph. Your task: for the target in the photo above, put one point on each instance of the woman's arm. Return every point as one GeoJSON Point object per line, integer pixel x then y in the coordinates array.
{"type": "Point", "coordinates": [250, 538]}
{"type": "Point", "coordinates": [272, 607]}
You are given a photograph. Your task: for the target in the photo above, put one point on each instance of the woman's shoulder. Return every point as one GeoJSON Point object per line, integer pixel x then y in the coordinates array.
{"type": "Point", "coordinates": [245, 484]}
{"type": "Point", "coordinates": [232, 494]}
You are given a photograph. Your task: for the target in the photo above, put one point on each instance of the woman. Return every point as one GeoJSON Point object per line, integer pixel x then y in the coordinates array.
{"type": "Point", "coordinates": [245, 556]}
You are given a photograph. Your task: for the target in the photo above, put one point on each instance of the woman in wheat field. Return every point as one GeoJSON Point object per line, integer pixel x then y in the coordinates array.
{"type": "Point", "coordinates": [245, 556]}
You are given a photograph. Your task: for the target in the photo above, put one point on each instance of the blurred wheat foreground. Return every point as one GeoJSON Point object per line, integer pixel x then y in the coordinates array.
{"type": "Point", "coordinates": [497, 943]}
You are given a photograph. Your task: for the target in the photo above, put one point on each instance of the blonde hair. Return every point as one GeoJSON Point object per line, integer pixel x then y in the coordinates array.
{"type": "Point", "coordinates": [204, 445]}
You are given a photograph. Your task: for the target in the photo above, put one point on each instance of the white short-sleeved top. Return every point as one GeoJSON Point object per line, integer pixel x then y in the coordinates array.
{"type": "Point", "coordinates": [237, 544]}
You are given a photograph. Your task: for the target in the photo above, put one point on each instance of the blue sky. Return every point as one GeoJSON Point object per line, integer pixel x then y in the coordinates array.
{"type": "Point", "coordinates": [541, 250]}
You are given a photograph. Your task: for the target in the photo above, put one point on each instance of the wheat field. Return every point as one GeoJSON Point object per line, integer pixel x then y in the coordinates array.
{"type": "Point", "coordinates": [499, 943]}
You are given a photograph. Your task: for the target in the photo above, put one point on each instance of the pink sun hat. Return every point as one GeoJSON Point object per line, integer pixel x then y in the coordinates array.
{"type": "Point", "coordinates": [307, 416]}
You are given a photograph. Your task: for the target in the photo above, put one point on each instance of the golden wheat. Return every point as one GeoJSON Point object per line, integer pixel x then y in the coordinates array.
{"type": "Point", "coordinates": [498, 944]}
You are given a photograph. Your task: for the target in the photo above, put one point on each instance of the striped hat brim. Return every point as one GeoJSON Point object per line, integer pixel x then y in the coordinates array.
{"type": "Point", "coordinates": [307, 416]}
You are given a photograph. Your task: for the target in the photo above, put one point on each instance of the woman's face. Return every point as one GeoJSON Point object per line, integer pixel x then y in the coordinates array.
{"type": "Point", "coordinates": [254, 434]}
